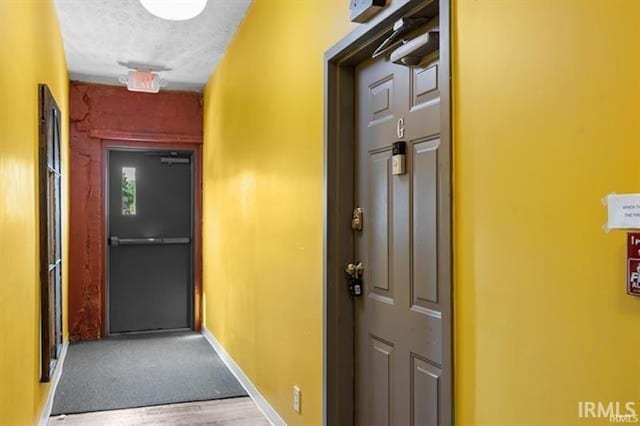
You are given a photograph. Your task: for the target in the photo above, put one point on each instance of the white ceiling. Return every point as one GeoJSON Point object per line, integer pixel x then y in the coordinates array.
{"type": "Point", "coordinates": [100, 33]}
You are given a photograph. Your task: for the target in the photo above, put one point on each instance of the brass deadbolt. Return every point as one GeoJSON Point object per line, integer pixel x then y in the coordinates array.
{"type": "Point", "coordinates": [358, 219]}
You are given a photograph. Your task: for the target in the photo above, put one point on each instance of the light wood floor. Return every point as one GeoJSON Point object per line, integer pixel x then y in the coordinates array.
{"type": "Point", "coordinates": [225, 412]}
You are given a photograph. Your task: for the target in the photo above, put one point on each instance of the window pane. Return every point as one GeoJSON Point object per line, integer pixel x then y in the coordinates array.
{"type": "Point", "coordinates": [52, 203]}
{"type": "Point", "coordinates": [55, 155]}
{"type": "Point", "coordinates": [58, 218]}
{"type": "Point", "coordinates": [51, 347]}
{"type": "Point", "coordinates": [50, 129]}
{"type": "Point", "coordinates": [128, 190]}
{"type": "Point", "coordinates": [58, 310]}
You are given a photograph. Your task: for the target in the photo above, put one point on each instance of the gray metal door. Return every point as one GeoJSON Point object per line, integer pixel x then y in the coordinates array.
{"type": "Point", "coordinates": [150, 212]}
{"type": "Point", "coordinates": [399, 317]}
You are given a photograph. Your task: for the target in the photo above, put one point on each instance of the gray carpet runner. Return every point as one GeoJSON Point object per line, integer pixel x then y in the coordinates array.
{"type": "Point", "coordinates": [141, 370]}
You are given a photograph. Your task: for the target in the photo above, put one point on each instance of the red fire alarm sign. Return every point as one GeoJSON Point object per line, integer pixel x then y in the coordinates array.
{"type": "Point", "coordinates": [633, 263]}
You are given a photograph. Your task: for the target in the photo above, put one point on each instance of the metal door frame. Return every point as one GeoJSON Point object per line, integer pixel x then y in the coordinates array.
{"type": "Point", "coordinates": [338, 245]}
{"type": "Point", "coordinates": [192, 288]}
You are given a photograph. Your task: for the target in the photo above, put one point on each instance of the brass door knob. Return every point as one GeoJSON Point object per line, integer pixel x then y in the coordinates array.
{"type": "Point", "coordinates": [356, 270]}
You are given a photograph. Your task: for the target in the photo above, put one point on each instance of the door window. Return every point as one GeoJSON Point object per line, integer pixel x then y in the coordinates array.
{"type": "Point", "coordinates": [129, 191]}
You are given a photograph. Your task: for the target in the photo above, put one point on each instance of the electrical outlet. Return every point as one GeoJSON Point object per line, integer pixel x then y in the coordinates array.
{"type": "Point", "coordinates": [296, 399]}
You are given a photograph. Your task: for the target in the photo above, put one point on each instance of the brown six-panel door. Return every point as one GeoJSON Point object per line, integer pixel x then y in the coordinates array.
{"type": "Point", "coordinates": [398, 319]}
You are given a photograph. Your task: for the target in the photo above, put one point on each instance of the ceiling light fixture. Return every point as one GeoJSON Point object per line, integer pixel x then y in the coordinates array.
{"type": "Point", "coordinates": [175, 10]}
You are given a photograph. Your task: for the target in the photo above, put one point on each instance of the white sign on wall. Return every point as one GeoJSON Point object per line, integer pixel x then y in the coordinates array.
{"type": "Point", "coordinates": [624, 211]}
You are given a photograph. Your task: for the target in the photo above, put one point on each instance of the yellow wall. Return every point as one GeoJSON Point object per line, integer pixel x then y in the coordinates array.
{"type": "Point", "coordinates": [263, 198]}
{"type": "Point", "coordinates": [545, 124]}
{"type": "Point", "coordinates": [30, 53]}
{"type": "Point", "coordinates": [547, 104]}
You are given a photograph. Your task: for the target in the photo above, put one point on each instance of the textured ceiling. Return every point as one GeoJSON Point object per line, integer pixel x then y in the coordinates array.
{"type": "Point", "coordinates": [100, 33]}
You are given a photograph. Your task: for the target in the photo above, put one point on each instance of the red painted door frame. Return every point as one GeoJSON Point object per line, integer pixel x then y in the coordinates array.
{"type": "Point", "coordinates": [157, 141]}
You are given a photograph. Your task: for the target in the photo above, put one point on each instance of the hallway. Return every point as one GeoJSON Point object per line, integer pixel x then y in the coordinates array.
{"type": "Point", "coordinates": [319, 212]}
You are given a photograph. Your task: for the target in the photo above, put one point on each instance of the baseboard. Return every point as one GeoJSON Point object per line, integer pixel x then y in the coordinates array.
{"type": "Point", "coordinates": [48, 406]}
{"type": "Point", "coordinates": [253, 392]}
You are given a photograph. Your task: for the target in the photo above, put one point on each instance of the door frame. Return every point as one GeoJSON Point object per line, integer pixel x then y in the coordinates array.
{"type": "Point", "coordinates": [109, 145]}
{"type": "Point", "coordinates": [338, 242]}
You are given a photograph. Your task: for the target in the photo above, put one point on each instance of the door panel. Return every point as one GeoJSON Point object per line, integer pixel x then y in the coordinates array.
{"type": "Point", "coordinates": [424, 399]}
{"type": "Point", "coordinates": [381, 99]}
{"type": "Point", "coordinates": [381, 360]}
{"type": "Point", "coordinates": [380, 193]}
{"type": "Point", "coordinates": [424, 84]}
{"type": "Point", "coordinates": [150, 258]}
{"type": "Point", "coordinates": [398, 319]}
{"type": "Point", "coordinates": [425, 225]}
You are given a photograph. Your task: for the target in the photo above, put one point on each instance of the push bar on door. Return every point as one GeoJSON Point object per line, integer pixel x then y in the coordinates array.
{"type": "Point", "coordinates": [116, 241]}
